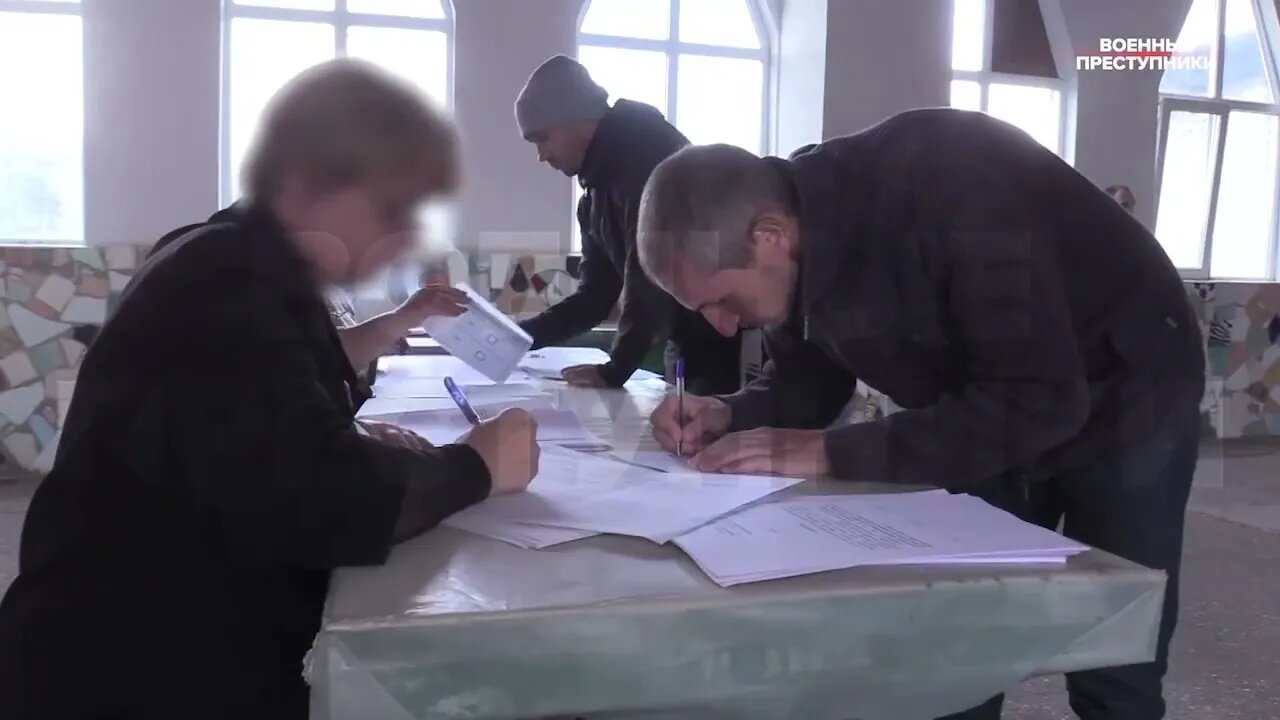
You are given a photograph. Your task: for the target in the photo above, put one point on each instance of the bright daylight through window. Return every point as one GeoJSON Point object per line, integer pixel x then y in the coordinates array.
{"type": "Point", "coordinates": [1218, 144]}
{"type": "Point", "coordinates": [41, 147]}
{"type": "Point", "coordinates": [702, 63]}
{"type": "Point", "coordinates": [1002, 63]}
{"type": "Point", "coordinates": [269, 41]}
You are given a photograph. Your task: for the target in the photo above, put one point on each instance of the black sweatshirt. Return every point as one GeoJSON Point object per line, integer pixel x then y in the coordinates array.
{"type": "Point", "coordinates": [175, 562]}
{"type": "Point", "coordinates": [629, 143]}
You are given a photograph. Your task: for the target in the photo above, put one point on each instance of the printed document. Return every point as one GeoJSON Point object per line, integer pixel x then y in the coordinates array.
{"type": "Point", "coordinates": [592, 493]}
{"type": "Point", "coordinates": [810, 534]}
{"type": "Point", "coordinates": [483, 337]}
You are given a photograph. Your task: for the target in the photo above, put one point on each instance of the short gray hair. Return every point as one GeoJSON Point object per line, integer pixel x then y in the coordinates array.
{"type": "Point", "coordinates": [700, 205]}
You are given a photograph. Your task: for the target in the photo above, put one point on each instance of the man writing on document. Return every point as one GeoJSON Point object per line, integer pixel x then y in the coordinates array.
{"type": "Point", "coordinates": [612, 150]}
{"type": "Point", "coordinates": [1036, 334]}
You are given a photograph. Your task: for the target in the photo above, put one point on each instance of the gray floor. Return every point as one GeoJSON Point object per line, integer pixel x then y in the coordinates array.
{"type": "Point", "coordinates": [1226, 655]}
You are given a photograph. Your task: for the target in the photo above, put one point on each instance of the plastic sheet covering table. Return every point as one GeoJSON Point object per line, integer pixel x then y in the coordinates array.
{"type": "Point", "coordinates": [460, 626]}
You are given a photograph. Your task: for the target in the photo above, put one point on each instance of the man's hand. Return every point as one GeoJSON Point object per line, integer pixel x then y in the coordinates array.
{"type": "Point", "coordinates": [583, 376]}
{"type": "Point", "coordinates": [397, 436]}
{"type": "Point", "coordinates": [776, 451]}
{"type": "Point", "coordinates": [704, 420]}
{"type": "Point", "coordinates": [431, 301]}
{"type": "Point", "coordinates": [508, 444]}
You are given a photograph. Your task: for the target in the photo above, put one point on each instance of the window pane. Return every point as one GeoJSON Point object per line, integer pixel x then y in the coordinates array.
{"type": "Point", "coordinates": [1195, 40]}
{"type": "Point", "coordinates": [41, 127]}
{"type": "Point", "coordinates": [1033, 109]}
{"type": "Point", "coordinates": [419, 56]}
{"type": "Point", "coordinates": [639, 75]}
{"type": "Point", "coordinates": [1243, 76]}
{"type": "Point", "coordinates": [1242, 229]}
{"type": "Point", "coordinates": [575, 234]}
{"type": "Point", "coordinates": [649, 19]}
{"type": "Point", "coordinates": [290, 4]}
{"type": "Point", "coordinates": [1185, 180]}
{"type": "Point", "coordinates": [720, 100]}
{"type": "Point", "coordinates": [265, 54]}
{"type": "Point", "coordinates": [718, 22]}
{"type": "Point", "coordinates": [433, 9]}
{"type": "Point", "coordinates": [966, 95]}
{"type": "Point", "coordinates": [968, 34]}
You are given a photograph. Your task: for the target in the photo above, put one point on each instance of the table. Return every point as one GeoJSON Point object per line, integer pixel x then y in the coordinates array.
{"type": "Point", "coordinates": [460, 626]}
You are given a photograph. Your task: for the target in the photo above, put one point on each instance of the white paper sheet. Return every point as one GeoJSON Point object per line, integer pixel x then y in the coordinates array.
{"type": "Point", "coordinates": [530, 537]}
{"type": "Point", "coordinates": [589, 492]}
{"type": "Point", "coordinates": [482, 337]}
{"type": "Point", "coordinates": [419, 369]}
{"type": "Point", "coordinates": [549, 362]}
{"type": "Point", "coordinates": [445, 426]}
{"type": "Point", "coordinates": [656, 459]}
{"type": "Point", "coordinates": [808, 534]}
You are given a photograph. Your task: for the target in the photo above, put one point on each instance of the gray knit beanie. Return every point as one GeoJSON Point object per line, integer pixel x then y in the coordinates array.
{"type": "Point", "coordinates": [560, 91]}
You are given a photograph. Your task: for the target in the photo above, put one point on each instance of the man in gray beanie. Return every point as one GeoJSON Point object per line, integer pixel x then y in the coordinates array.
{"type": "Point", "coordinates": [612, 151]}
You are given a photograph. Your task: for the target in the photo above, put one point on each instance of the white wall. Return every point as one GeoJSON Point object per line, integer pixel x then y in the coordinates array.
{"type": "Point", "coordinates": [801, 58]}
{"type": "Point", "coordinates": [884, 58]}
{"type": "Point", "coordinates": [151, 116]}
{"type": "Point", "coordinates": [1116, 120]}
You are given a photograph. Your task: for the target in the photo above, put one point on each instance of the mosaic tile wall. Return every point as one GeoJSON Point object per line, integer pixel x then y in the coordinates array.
{"type": "Point", "coordinates": [1241, 325]}
{"type": "Point", "coordinates": [52, 302]}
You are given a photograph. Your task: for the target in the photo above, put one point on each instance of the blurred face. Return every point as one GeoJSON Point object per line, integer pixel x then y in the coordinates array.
{"type": "Point", "coordinates": [351, 233]}
{"type": "Point", "coordinates": [754, 296]}
{"type": "Point", "coordinates": [563, 147]}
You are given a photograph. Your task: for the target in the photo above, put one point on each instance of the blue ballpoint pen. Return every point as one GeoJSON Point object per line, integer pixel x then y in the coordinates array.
{"type": "Point", "coordinates": [680, 405]}
{"type": "Point", "coordinates": [460, 398]}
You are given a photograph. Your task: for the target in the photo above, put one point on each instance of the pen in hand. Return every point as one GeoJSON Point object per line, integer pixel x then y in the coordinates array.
{"type": "Point", "coordinates": [680, 405]}
{"type": "Point", "coordinates": [460, 399]}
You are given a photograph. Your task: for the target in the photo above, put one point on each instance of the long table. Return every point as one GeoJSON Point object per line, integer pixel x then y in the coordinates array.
{"type": "Point", "coordinates": [459, 626]}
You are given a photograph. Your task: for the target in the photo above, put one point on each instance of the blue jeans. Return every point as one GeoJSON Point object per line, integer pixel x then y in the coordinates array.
{"type": "Point", "coordinates": [1132, 505]}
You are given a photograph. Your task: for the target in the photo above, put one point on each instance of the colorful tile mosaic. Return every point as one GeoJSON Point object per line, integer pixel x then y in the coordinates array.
{"type": "Point", "coordinates": [52, 303]}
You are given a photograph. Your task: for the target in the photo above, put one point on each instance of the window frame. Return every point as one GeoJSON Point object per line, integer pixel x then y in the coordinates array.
{"type": "Point", "coordinates": [1221, 108]}
{"type": "Point", "coordinates": [74, 8]}
{"type": "Point", "coordinates": [672, 47]}
{"type": "Point", "coordinates": [341, 20]}
{"type": "Point", "coordinates": [985, 76]}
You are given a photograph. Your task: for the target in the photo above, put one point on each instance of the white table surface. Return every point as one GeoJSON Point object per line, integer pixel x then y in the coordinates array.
{"type": "Point", "coordinates": [460, 626]}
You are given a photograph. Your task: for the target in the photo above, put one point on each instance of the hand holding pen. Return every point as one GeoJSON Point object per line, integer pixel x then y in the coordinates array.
{"type": "Point", "coordinates": [508, 443]}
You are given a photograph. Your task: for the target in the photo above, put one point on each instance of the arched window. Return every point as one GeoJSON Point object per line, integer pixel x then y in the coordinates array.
{"type": "Point", "coordinates": [1219, 126]}
{"type": "Point", "coordinates": [703, 63]}
{"type": "Point", "coordinates": [1003, 64]}
{"type": "Point", "coordinates": [267, 42]}
{"type": "Point", "coordinates": [42, 125]}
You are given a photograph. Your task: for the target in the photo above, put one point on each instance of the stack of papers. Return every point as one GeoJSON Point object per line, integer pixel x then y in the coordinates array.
{"type": "Point", "coordinates": [593, 494]}
{"type": "Point", "coordinates": [811, 534]}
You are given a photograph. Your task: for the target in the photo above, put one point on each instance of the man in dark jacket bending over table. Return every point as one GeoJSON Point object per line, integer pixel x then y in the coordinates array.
{"type": "Point", "coordinates": [175, 562]}
{"type": "Point", "coordinates": [1036, 333]}
{"type": "Point", "coordinates": [613, 151]}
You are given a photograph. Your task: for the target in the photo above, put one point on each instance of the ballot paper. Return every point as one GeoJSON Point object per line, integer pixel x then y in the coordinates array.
{"type": "Point", "coordinates": [591, 493]}
{"type": "Point", "coordinates": [549, 362]}
{"type": "Point", "coordinates": [482, 337]}
{"type": "Point", "coordinates": [660, 460]}
{"type": "Point", "coordinates": [445, 426]}
{"type": "Point", "coordinates": [810, 534]}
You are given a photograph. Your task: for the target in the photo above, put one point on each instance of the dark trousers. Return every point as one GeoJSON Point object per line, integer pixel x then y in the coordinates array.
{"type": "Point", "coordinates": [1134, 506]}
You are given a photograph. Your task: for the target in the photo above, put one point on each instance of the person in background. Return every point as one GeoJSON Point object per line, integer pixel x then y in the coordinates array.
{"type": "Point", "coordinates": [175, 562]}
{"type": "Point", "coordinates": [612, 150]}
{"type": "Point", "coordinates": [1123, 195]}
{"type": "Point", "coordinates": [1040, 342]}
